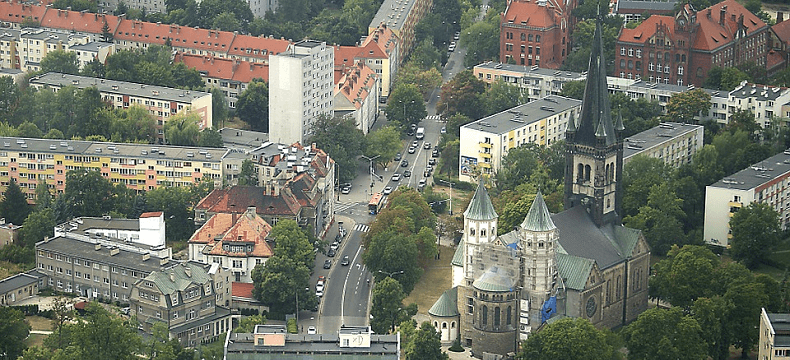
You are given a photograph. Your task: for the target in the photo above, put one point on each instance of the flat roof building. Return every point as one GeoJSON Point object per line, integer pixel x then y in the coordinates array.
{"type": "Point", "coordinates": [674, 143]}
{"type": "Point", "coordinates": [774, 336]}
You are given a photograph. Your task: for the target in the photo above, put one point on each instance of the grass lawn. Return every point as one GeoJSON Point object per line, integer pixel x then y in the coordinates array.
{"type": "Point", "coordinates": [39, 323]}
{"type": "Point", "coordinates": [437, 278]}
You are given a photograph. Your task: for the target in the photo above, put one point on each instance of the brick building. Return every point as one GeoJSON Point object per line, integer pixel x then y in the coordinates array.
{"type": "Point", "coordinates": [682, 49]}
{"type": "Point", "coordinates": [536, 33]}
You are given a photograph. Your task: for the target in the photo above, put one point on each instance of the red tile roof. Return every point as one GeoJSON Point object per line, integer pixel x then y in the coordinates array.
{"type": "Point", "coordinates": [224, 228]}
{"type": "Point", "coordinates": [782, 30]}
{"type": "Point", "coordinates": [224, 68]}
{"type": "Point", "coordinates": [238, 198]}
{"type": "Point", "coordinates": [774, 60]}
{"type": "Point", "coordinates": [345, 55]}
{"type": "Point", "coordinates": [355, 82]}
{"type": "Point", "coordinates": [16, 12]}
{"type": "Point", "coordinates": [265, 46]}
{"type": "Point", "coordinates": [531, 14]}
{"type": "Point", "coordinates": [648, 28]}
{"type": "Point", "coordinates": [243, 290]}
{"type": "Point", "coordinates": [383, 37]}
{"type": "Point", "coordinates": [78, 21]}
{"type": "Point", "coordinates": [712, 35]}
{"type": "Point", "coordinates": [151, 214]}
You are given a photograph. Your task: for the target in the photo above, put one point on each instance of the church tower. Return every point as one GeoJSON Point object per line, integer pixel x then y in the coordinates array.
{"type": "Point", "coordinates": [538, 237]}
{"type": "Point", "coordinates": [480, 222]}
{"type": "Point", "coordinates": [594, 147]}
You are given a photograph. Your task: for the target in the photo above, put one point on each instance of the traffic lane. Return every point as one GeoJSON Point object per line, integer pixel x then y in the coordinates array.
{"type": "Point", "coordinates": [331, 307]}
{"type": "Point", "coordinates": [356, 290]}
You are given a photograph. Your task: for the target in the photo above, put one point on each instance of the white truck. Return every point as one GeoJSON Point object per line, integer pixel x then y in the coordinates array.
{"type": "Point", "coordinates": [420, 133]}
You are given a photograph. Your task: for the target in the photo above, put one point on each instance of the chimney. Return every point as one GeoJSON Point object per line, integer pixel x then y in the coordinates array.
{"type": "Point", "coordinates": [722, 13]}
{"type": "Point", "coordinates": [114, 251]}
{"type": "Point", "coordinates": [251, 210]}
{"type": "Point", "coordinates": [97, 247]}
{"type": "Point", "coordinates": [780, 16]}
{"type": "Point", "coordinates": [146, 256]}
{"type": "Point", "coordinates": [188, 271]}
{"type": "Point", "coordinates": [172, 277]}
{"type": "Point", "coordinates": [708, 13]}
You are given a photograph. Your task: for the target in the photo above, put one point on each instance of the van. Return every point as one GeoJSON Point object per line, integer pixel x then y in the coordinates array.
{"type": "Point", "coordinates": [420, 133]}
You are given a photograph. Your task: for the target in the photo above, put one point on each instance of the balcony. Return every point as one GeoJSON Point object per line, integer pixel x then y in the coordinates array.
{"type": "Point", "coordinates": [485, 154]}
{"type": "Point", "coordinates": [485, 145]}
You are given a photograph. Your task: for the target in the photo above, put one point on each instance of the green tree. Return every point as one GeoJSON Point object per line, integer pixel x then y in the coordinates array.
{"type": "Point", "coordinates": [248, 175]}
{"type": "Point", "coordinates": [501, 96]}
{"type": "Point", "coordinates": [226, 22]}
{"type": "Point", "coordinates": [98, 335]}
{"type": "Point", "coordinates": [219, 106]}
{"type": "Point", "coordinates": [247, 323]}
{"type": "Point", "coordinates": [176, 203]}
{"type": "Point", "coordinates": [292, 242]}
{"type": "Point", "coordinates": [29, 130]}
{"type": "Point", "coordinates": [253, 105]}
{"type": "Point", "coordinates": [10, 95]}
{"type": "Point", "coordinates": [425, 56]}
{"type": "Point", "coordinates": [573, 89]}
{"type": "Point", "coordinates": [38, 225]}
{"type": "Point", "coordinates": [660, 219]}
{"type": "Point", "coordinates": [639, 176]}
{"type": "Point", "coordinates": [15, 330]}
{"type": "Point", "coordinates": [210, 138]}
{"type": "Point", "coordinates": [687, 273]}
{"type": "Point", "coordinates": [462, 95]}
{"type": "Point", "coordinates": [684, 106]}
{"type": "Point", "coordinates": [14, 207]}
{"type": "Point", "coordinates": [88, 193]}
{"type": "Point", "coordinates": [481, 41]}
{"type": "Point", "coordinates": [340, 138]}
{"type": "Point", "coordinates": [665, 334]}
{"type": "Point", "coordinates": [391, 252]}
{"type": "Point", "coordinates": [426, 80]}
{"type": "Point", "coordinates": [755, 233]}
{"type": "Point", "coordinates": [568, 339]}
{"type": "Point", "coordinates": [280, 282]}
{"type": "Point", "coordinates": [60, 61]}
{"type": "Point", "coordinates": [747, 297]}
{"type": "Point", "coordinates": [384, 143]}
{"type": "Point", "coordinates": [743, 120]}
{"type": "Point", "coordinates": [712, 315]}
{"type": "Point", "coordinates": [387, 308]}
{"type": "Point", "coordinates": [63, 313]}
{"type": "Point", "coordinates": [405, 105]}
{"type": "Point", "coordinates": [182, 129]}
{"type": "Point", "coordinates": [425, 344]}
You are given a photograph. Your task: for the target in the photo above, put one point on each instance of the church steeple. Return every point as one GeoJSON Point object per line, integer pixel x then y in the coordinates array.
{"type": "Point", "coordinates": [480, 207]}
{"type": "Point", "coordinates": [594, 146]}
{"type": "Point", "coordinates": [538, 218]}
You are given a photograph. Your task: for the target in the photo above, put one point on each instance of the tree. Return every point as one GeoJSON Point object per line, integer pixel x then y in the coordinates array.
{"type": "Point", "coordinates": [219, 105]}
{"type": "Point", "coordinates": [501, 96]}
{"type": "Point", "coordinates": [391, 252]}
{"type": "Point", "coordinates": [60, 61]}
{"type": "Point", "coordinates": [639, 176]}
{"type": "Point", "coordinates": [38, 225]}
{"type": "Point", "coordinates": [10, 95]}
{"type": "Point", "coordinates": [29, 130]}
{"type": "Point", "coordinates": [15, 330]}
{"type": "Point", "coordinates": [387, 308]}
{"type": "Point", "coordinates": [14, 206]}
{"type": "Point", "coordinates": [210, 138]}
{"type": "Point", "coordinates": [712, 315]}
{"type": "Point", "coordinates": [573, 89]}
{"type": "Point", "coordinates": [660, 219]}
{"type": "Point", "coordinates": [425, 56]}
{"type": "Point", "coordinates": [755, 233]}
{"type": "Point", "coordinates": [665, 334]}
{"type": "Point", "coordinates": [253, 105]}
{"type": "Point", "coordinates": [247, 323]}
{"type": "Point", "coordinates": [688, 273]}
{"type": "Point", "coordinates": [182, 129]}
{"type": "Point", "coordinates": [426, 80]}
{"type": "Point", "coordinates": [175, 202]}
{"type": "Point", "coordinates": [405, 105]}
{"type": "Point", "coordinates": [425, 344]}
{"type": "Point", "coordinates": [684, 106]}
{"type": "Point", "coordinates": [384, 143]}
{"type": "Point", "coordinates": [88, 193]}
{"type": "Point", "coordinates": [63, 314]}
{"type": "Point", "coordinates": [462, 95]}
{"type": "Point", "coordinates": [248, 175]}
{"type": "Point", "coordinates": [747, 297]}
{"type": "Point", "coordinates": [568, 339]}
{"type": "Point", "coordinates": [292, 242]}
{"type": "Point", "coordinates": [340, 138]}
{"type": "Point", "coordinates": [226, 22]}
{"type": "Point", "coordinates": [481, 41]}
{"type": "Point", "coordinates": [280, 282]}
{"type": "Point", "coordinates": [98, 334]}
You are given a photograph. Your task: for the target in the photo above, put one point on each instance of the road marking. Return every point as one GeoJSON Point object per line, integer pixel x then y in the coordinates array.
{"type": "Point", "coordinates": [361, 228]}
{"type": "Point", "coordinates": [345, 283]}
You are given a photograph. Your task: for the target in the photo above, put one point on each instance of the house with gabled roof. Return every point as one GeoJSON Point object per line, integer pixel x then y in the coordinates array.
{"type": "Point", "coordinates": [536, 33]}
{"type": "Point", "coordinates": [192, 299]}
{"type": "Point", "coordinates": [356, 95]}
{"type": "Point", "coordinates": [234, 241]}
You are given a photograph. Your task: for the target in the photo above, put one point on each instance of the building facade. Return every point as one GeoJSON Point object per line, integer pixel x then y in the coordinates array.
{"type": "Point", "coordinates": [632, 10]}
{"type": "Point", "coordinates": [401, 17]}
{"type": "Point", "coordinates": [17, 288]}
{"type": "Point", "coordinates": [767, 182]}
{"type": "Point", "coordinates": [301, 91]}
{"type": "Point", "coordinates": [537, 82]}
{"type": "Point", "coordinates": [148, 229]}
{"type": "Point", "coordinates": [9, 233]}
{"type": "Point", "coordinates": [673, 143]}
{"type": "Point", "coordinates": [486, 142]}
{"type": "Point", "coordinates": [231, 76]}
{"type": "Point", "coordinates": [536, 33]}
{"type": "Point", "coordinates": [161, 102]}
{"type": "Point", "coordinates": [774, 343]}
{"type": "Point", "coordinates": [682, 49]}
{"type": "Point", "coordinates": [357, 96]}
{"type": "Point", "coordinates": [763, 101]}
{"type": "Point", "coordinates": [192, 299]}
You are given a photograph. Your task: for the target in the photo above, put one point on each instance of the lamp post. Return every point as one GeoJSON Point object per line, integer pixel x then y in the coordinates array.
{"type": "Point", "coordinates": [405, 117]}
{"type": "Point", "coordinates": [451, 192]}
{"type": "Point", "coordinates": [371, 170]}
{"type": "Point", "coordinates": [391, 274]}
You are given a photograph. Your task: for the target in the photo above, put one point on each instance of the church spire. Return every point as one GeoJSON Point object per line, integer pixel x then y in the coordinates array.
{"type": "Point", "coordinates": [596, 112]}
{"type": "Point", "coordinates": [480, 207]}
{"type": "Point", "coordinates": [538, 218]}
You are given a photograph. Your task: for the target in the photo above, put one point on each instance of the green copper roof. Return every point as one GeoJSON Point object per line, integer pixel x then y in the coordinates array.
{"type": "Point", "coordinates": [458, 257]}
{"type": "Point", "coordinates": [538, 218]}
{"type": "Point", "coordinates": [494, 280]}
{"type": "Point", "coordinates": [619, 124]}
{"type": "Point", "coordinates": [480, 207]}
{"type": "Point", "coordinates": [178, 278]}
{"type": "Point", "coordinates": [574, 270]}
{"type": "Point", "coordinates": [447, 305]}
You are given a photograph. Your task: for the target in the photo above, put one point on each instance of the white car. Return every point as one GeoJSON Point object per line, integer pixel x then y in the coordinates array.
{"type": "Point", "coordinates": [311, 330]}
{"type": "Point", "coordinates": [319, 287]}
{"type": "Point", "coordinates": [451, 48]}
{"type": "Point", "coordinates": [444, 130]}
{"type": "Point", "coordinates": [415, 144]}
{"type": "Point", "coordinates": [387, 190]}
{"type": "Point", "coordinates": [396, 177]}
{"type": "Point", "coordinates": [319, 293]}
{"type": "Point", "coordinates": [334, 246]}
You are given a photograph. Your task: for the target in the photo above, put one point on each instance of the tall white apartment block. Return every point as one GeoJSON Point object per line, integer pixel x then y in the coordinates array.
{"type": "Point", "coordinates": [301, 86]}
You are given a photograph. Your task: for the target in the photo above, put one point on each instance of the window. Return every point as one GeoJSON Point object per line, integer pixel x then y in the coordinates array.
{"type": "Point", "coordinates": [496, 316]}
{"type": "Point", "coordinates": [630, 52]}
{"type": "Point", "coordinates": [622, 51]}
{"type": "Point", "coordinates": [485, 315]}
{"type": "Point", "coordinates": [680, 70]}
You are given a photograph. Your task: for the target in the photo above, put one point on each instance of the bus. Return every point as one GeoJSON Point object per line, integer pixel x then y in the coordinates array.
{"type": "Point", "coordinates": [376, 203]}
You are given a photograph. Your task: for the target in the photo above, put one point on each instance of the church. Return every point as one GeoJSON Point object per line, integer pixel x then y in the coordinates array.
{"type": "Point", "coordinates": [579, 263]}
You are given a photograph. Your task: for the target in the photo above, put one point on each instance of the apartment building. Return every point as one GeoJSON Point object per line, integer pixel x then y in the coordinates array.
{"type": "Point", "coordinates": [147, 6]}
{"type": "Point", "coordinates": [632, 10]}
{"type": "Point", "coordinates": [763, 101]}
{"type": "Point", "coordinates": [301, 91]}
{"type": "Point", "coordinates": [147, 230]}
{"type": "Point", "coordinates": [357, 95]}
{"type": "Point", "coordinates": [97, 266]}
{"type": "Point", "coordinates": [774, 343]}
{"type": "Point", "coordinates": [274, 342]}
{"type": "Point", "coordinates": [161, 102]}
{"type": "Point", "coordinates": [94, 50]}
{"type": "Point", "coordinates": [379, 51]}
{"type": "Point", "coordinates": [139, 167]}
{"type": "Point", "coordinates": [767, 182]}
{"type": "Point", "coordinates": [537, 82]}
{"type": "Point", "coordinates": [234, 241]}
{"type": "Point", "coordinates": [34, 44]}
{"type": "Point", "coordinates": [401, 17]}
{"type": "Point", "coordinates": [528, 28]}
{"type": "Point", "coordinates": [486, 142]}
{"type": "Point", "coordinates": [231, 76]}
{"type": "Point", "coordinates": [682, 49]}
{"type": "Point", "coordinates": [192, 299]}
{"type": "Point", "coordinates": [673, 143]}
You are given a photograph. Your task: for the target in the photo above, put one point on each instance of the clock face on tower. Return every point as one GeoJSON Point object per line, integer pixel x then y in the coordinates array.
{"type": "Point", "coordinates": [591, 307]}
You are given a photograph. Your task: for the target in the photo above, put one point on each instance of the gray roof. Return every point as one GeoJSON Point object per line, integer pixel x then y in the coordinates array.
{"type": "Point", "coordinates": [85, 223]}
{"type": "Point", "coordinates": [781, 326]}
{"type": "Point", "coordinates": [595, 120]}
{"type": "Point", "coordinates": [757, 174]}
{"type": "Point", "coordinates": [673, 88]}
{"type": "Point", "coordinates": [314, 347]}
{"type": "Point", "coordinates": [93, 46]}
{"type": "Point", "coordinates": [71, 245]}
{"type": "Point", "coordinates": [243, 138]}
{"type": "Point", "coordinates": [458, 256]}
{"type": "Point", "coordinates": [538, 218]}
{"type": "Point", "coordinates": [759, 92]}
{"type": "Point", "coordinates": [579, 236]}
{"type": "Point", "coordinates": [534, 71]}
{"type": "Point", "coordinates": [176, 279]}
{"type": "Point", "coordinates": [495, 281]}
{"type": "Point", "coordinates": [646, 5]}
{"type": "Point", "coordinates": [119, 87]}
{"type": "Point", "coordinates": [517, 117]}
{"type": "Point", "coordinates": [393, 13]}
{"type": "Point", "coordinates": [17, 281]}
{"type": "Point", "coordinates": [480, 207]}
{"type": "Point", "coordinates": [446, 305]}
{"type": "Point", "coordinates": [655, 136]}
{"type": "Point", "coordinates": [119, 150]}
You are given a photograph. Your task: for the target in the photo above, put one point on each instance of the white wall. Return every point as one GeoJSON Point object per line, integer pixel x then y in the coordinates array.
{"type": "Point", "coordinates": [717, 212]}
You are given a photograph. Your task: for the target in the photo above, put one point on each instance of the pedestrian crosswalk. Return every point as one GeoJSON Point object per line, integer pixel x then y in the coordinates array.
{"type": "Point", "coordinates": [434, 117]}
{"type": "Point", "coordinates": [361, 228]}
{"type": "Point", "coordinates": [340, 206]}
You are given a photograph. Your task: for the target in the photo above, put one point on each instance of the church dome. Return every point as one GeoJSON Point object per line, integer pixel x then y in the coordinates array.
{"type": "Point", "coordinates": [494, 281]}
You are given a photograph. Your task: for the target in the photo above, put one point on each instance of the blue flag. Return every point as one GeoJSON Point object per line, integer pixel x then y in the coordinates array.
{"type": "Point", "coordinates": [549, 309]}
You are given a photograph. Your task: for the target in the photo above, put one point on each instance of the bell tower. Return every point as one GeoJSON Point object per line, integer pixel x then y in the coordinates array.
{"type": "Point", "coordinates": [480, 228]}
{"type": "Point", "coordinates": [594, 147]}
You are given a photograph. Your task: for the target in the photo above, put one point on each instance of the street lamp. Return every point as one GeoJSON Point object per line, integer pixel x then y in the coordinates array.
{"type": "Point", "coordinates": [451, 192]}
{"type": "Point", "coordinates": [371, 170]}
{"type": "Point", "coordinates": [391, 274]}
{"type": "Point", "coordinates": [406, 118]}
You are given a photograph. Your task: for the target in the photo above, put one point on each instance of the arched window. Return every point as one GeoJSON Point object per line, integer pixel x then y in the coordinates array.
{"type": "Point", "coordinates": [683, 58]}
{"type": "Point", "coordinates": [493, 231]}
{"type": "Point", "coordinates": [630, 64]}
{"type": "Point", "coordinates": [677, 57]}
{"type": "Point", "coordinates": [666, 57]}
{"type": "Point", "coordinates": [700, 72]}
{"type": "Point", "coordinates": [509, 315]}
{"type": "Point", "coordinates": [580, 173]}
{"type": "Point", "coordinates": [452, 325]}
{"type": "Point", "coordinates": [617, 288]}
{"type": "Point", "coordinates": [496, 316]}
{"type": "Point", "coordinates": [485, 315]}
{"type": "Point", "coordinates": [523, 37]}
{"type": "Point", "coordinates": [607, 173]}
{"type": "Point", "coordinates": [608, 292]}
{"type": "Point", "coordinates": [587, 170]}
{"type": "Point", "coordinates": [444, 325]}
{"type": "Point", "coordinates": [530, 37]}
{"type": "Point", "coordinates": [611, 169]}
{"type": "Point", "coordinates": [472, 231]}
{"type": "Point", "coordinates": [436, 324]}
{"type": "Point", "coordinates": [537, 38]}
{"type": "Point", "coordinates": [482, 232]}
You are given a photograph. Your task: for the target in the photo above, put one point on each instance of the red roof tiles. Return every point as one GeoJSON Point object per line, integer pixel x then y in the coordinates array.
{"type": "Point", "coordinates": [78, 21]}
{"type": "Point", "coordinates": [16, 12]}
{"type": "Point", "coordinates": [531, 14]}
{"type": "Point", "coordinates": [224, 68]}
{"type": "Point", "coordinates": [355, 82]}
{"type": "Point", "coordinates": [151, 214]}
{"type": "Point", "coordinates": [225, 228]}
{"type": "Point", "coordinates": [243, 290]}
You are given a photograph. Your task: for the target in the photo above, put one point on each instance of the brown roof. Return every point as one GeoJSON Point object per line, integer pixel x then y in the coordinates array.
{"type": "Point", "coordinates": [531, 14]}
{"type": "Point", "coordinates": [16, 12]}
{"type": "Point", "coordinates": [78, 21]}
{"type": "Point", "coordinates": [243, 290]}
{"type": "Point", "coordinates": [265, 46]}
{"type": "Point", "coordinates": [774, 60]}
{"type": "Point", "coordinates": [355, 82]}
{"type": "Point", "coordinates": [647, 29]}
{"type": "Point", "coordinates": [151, 214]}
{"type": "Point", "coordinates": [782, 30]}
{"type": "Point", "coordinates": [238, 198]}
{"type": "Point", "coordinates": [224, 68]}
{"type": "Point", "coordinates": [227, 228]}
{"type": "Point", "coordinates": [712, 35]}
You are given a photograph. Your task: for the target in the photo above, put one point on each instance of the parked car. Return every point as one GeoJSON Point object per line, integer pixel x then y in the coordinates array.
{"type": "Point", "coordinates": [327, 264]}
{"type": "Point", "coordinates": [311, 330]}
{"type": "Point", "coordinates": [319, 286]}
{"type": "Point", "coordinates": [451, 48]}
{"type": "Point", "coordinates": [345, 261]}
{"type": "Point", "coordinates": [331, 253]}
{"type": "Point", "coordinates": [432, 161]}
{"type": "Point", "coordinates": [397, 157]}
{"type": "Point", "coordinates": [334, 246]}
{"type": "Point", "coordinates": [345, 190]}
{"type": "Point", "coordinates": [435, 152]}
{"type": "Point", "coordinates": [319, 293]}
{"type": "Point", "coordinates": [457, 35]}
{"type": "Point", "coordinates": [444, 130]}
{"type": "Point", "coordinates": [410, 132]}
